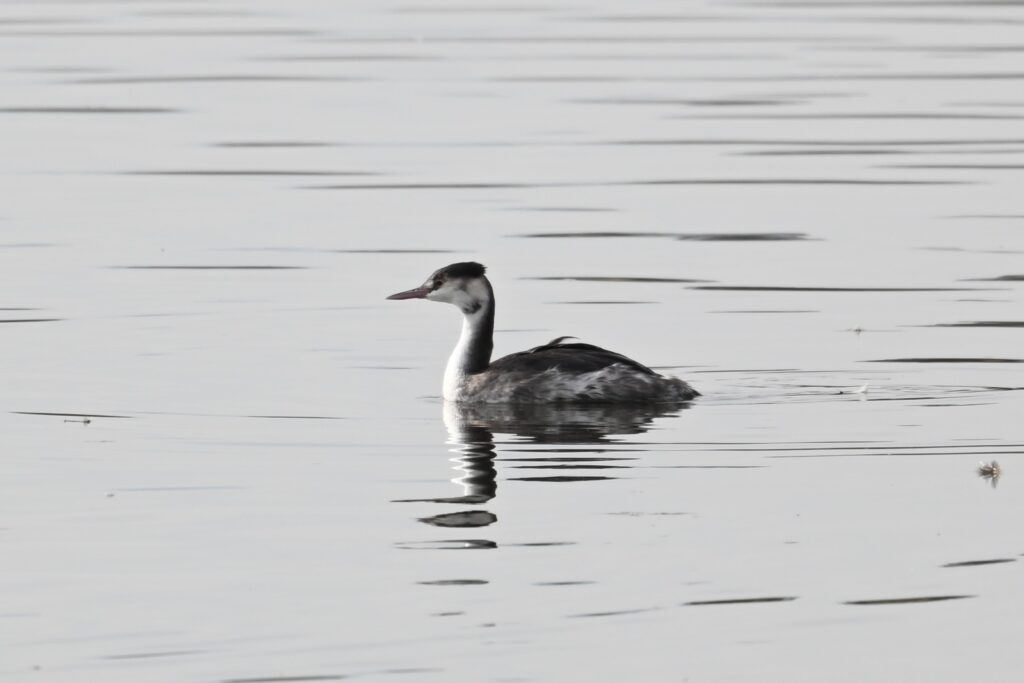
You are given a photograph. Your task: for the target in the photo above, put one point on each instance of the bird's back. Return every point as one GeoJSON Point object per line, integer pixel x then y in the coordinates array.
{"type": "Point", "coordinates": [572, 372]}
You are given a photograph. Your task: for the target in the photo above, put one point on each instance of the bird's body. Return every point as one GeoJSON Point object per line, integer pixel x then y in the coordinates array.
{"type": "Point", "coordinates": [553, 373]}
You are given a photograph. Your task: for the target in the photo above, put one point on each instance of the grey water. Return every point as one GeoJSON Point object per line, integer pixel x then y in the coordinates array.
{"type": "Point", "coordinates": [225, 456]}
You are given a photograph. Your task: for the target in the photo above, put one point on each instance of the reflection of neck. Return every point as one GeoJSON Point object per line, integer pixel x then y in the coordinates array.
{"type": "Point", "coordinates": [473, 352]}
{"type": "Point", "coordinates": [475, 448]}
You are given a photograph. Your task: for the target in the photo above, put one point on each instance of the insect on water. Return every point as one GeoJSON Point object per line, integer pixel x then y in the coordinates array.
{"type": "Point", "coordinates": [990, 471]}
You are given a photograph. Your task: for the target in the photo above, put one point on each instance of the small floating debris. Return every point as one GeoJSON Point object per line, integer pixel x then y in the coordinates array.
{"type": "Point", "coordinates": [990, 471]}
{"type": "Point", "coordinates": [861, 390]}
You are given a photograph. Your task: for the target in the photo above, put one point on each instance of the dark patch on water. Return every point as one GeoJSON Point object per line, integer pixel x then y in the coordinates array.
{"type": "Point", "coordinates": [61, 69]}
{"type": "Point", "coordinates": [562, 209]}
{"type": "Point", "coordinates": [738, 601]}
{"type": "Point", "coordinates": [643, 38]}
{"type": "Point", "coordinates": [982, 323]}
{"type": "Point", "coordinates": [908, 601]}
{"type": "Point", "coordinates": [152, 655]}
{"type": "Point", "coordinates": [453, 544]}
{"type": "Point", "coordinates": [958, 48]}
{"type": "Point", "coordinates": [772, 288]}
{"type": "Point", "coordinates": [296, 417]}
{"type": "Point", "coordinates": [957, 167]}
{"type": "Point", "coordinates": [474, 9]}
{"type": "Point", "coordinates": [352, 58]}
{"type": "Point", "coordinates": [784, 181]}
{"type": "Point", "coordinates": [273, 144]}
{"type": "Point", "coordinates": [561, 479]}
{"type": "Point", "coordinates": [979, 563]}
{"type": "Point", "coordinates": [755, 142]}
{"type": "Point", "coordinates": [600, 234]}
{"type": "Point", "coordinates": [564, 583]}
{"type": "Point", "coordinates": [743, 237]}
{"type": "Point", "coordinates": [974, 251]}
{"type": "Point", "coordinates": [211, 267]}
{"type": "Point", "coordinates": [1001, 278]}
{"type": "Point", "coordinates": [855, 117]}
{"type": "Point", "coordinates": [567, 466]}
{"type": "Point", "coordinates": [287, 679]}
{"type": "Point", "coordinates": [684, 236]}
{"type": "Point", "coordinates": [666, 182]}
{"type": "Point", "coordinates": [869, 19]}
{"type": "Point", "coordinates": [89, 110]}
{"type": "Point", "coordinates": [540, 544]}
{"type": "Point", "coordinates": [950, 359]}
{"type": "Point", "coordinates": [723, 102]}
{"type": "Point", "coordinates": [837, 77]}
{"type": "Point", "coordinates": [199, 13]}
{"type": "Point", "coordinates": [794, 310]}
{"type": "Point", "coordinates": [90, 415]}
{"type": "Point", "coordinates": [171, 33]}
{"type": "Point", "coordinates": [433, 186]}
{"type": "Point", "coordinates": [822, 152]}
{"type": "Point", "coordinates": [209, 78]}
{"type": "Point", "coordinates": [849, 4]}
{"type": "Point", "coordinates": [467, 519]}
{"type": "Point", "coordinates": [615, 613]}
{"type": "Point", "coordinates": [270, 173]}
{"type": "Point", "coordinates": [454, 582]}
{"type": "Point", "coordinates": [565, 459]}
{"type": "Point", "coordinates": [394, 251]}
{"type": "Point", "coordinates": [599, 278]}
{"type": "Point", "coordinates": [29, 320]}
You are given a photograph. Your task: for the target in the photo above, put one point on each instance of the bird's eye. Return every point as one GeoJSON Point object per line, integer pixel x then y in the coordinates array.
{"type": "Point", "coordinates": [436, 284]}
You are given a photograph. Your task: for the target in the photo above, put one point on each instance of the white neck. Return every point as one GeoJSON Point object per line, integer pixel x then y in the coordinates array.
{"type": "Point", "coordinates": [467, 351]}
{"type": "Point", "coordinates": [455, 372]}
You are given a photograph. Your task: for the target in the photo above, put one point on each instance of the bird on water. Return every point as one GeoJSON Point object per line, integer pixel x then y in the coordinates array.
{"type": "Point", "coordinates": [553, 373]}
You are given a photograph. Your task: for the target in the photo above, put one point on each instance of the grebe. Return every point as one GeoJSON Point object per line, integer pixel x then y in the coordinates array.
{"type": "Point", "coordinates": [554, 372]}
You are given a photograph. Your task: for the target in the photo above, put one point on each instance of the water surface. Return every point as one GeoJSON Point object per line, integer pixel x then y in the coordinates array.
{"type": "Point", "coordinates": [226, 458]}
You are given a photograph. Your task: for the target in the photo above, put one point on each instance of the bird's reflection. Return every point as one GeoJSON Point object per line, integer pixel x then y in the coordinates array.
{"type": "Point", "coordinates": [552, 423]}
{"type": "Point", "coordinates": [471, 430]}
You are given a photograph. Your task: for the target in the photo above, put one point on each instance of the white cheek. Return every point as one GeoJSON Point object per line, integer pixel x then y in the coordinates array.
{"type": "Point", "coordinates": [461, 299]}
{"type": "Point", "coordinates": [444, 295]}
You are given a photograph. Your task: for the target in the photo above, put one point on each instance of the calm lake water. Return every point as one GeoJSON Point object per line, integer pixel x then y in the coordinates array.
{"type": "Point", "coordinates": [225, 455]}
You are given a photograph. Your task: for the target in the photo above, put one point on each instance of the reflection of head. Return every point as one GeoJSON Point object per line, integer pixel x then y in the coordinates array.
{"type": "Point", "coordinates": [470, 424]}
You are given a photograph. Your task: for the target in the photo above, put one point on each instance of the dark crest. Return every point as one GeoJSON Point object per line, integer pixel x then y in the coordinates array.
{"type": "Point", "coordinates": [466, 269]}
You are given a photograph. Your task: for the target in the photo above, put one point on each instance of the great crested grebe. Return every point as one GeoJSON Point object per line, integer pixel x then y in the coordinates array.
{"type": "Point", "coordinates": [554, 372]}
